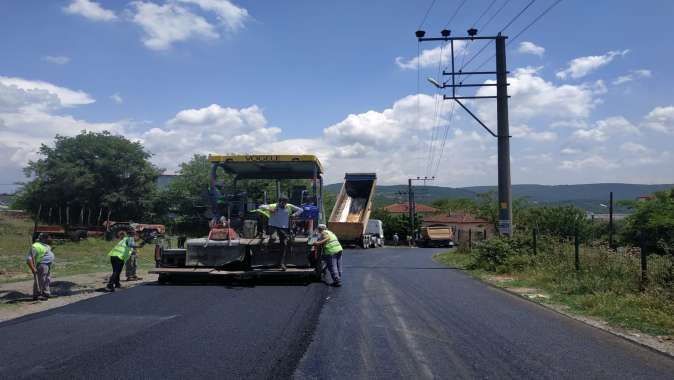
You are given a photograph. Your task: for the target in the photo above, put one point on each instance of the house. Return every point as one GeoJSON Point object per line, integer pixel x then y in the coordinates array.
{"type": "Point", "coordinates": [463, 224]}
{"type": "Point", "coordinates": [403, 208]}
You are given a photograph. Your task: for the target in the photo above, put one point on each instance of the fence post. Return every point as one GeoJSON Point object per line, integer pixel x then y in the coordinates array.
{"type": "Point", "coordinates": [535, 242]}
{"type": "Point", "coordinates": [470, 239]}
{"type": "Point", "coordinates": [644, 263]}
{"type": "Point", "coordinates": [576, 246]}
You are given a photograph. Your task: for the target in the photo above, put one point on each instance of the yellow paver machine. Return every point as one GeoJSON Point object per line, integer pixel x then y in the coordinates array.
{"type": "Point", "coordinates": [240, 243]}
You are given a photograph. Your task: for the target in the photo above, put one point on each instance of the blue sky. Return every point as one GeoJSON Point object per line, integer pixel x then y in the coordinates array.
{"type": "Point", "coordinates": [200, 76]}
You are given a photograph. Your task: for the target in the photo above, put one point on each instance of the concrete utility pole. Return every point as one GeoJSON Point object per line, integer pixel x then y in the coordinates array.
{"type": "Point", "coordinates": [503, 130]}
{"type": "Point", "coordinates": [412, 205]}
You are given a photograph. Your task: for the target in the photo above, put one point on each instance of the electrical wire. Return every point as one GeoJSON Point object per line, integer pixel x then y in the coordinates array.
{"type": "Point", "coordinates": [455, 13]}
{"type": "Point", "coordinates": [494, 15]}
{"type": "Point", "coordinates": [518, 34]}
{"type": "Point", "coordinates": [484, 12]}
{"type": "Point", "coordinates": [423, 20]}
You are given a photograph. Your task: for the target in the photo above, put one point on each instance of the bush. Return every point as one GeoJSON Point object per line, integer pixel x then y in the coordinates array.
{"type": "Point", "coordinates": [500, 254]}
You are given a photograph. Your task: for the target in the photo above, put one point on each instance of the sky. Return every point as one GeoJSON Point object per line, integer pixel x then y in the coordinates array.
{"type": "Point", "coordinates": [590, 85]}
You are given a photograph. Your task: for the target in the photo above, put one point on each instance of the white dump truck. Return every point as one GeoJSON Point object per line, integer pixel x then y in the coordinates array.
{"type": "Point", "coordinates": [375, 229]}
{"type": "Point", "coordinates": [350, 216]}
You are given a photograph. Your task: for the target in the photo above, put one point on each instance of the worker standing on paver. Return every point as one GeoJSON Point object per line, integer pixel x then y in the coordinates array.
{"type": "Point", "coordinates": [40, 259]}
{"type": "Point", "coordinates": [119, 254]}
{"type": "Point", "coordinates": [332, 253]}
{"type": "Point", "coordinates": [279, 221]}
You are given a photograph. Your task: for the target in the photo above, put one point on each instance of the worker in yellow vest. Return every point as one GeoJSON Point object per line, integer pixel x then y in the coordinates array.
{"type": "Point", "coordinates": [332, 253]}
{"type": "Point", "coordinates": [40, 259]}
{"type": "Point", "coordinates": [119, 254]}
{"type": "Point", "coordinates": [279, 221]}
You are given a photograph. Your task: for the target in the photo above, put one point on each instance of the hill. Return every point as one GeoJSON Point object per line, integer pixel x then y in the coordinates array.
{"type": "Point", "coordinates": [586, 196]}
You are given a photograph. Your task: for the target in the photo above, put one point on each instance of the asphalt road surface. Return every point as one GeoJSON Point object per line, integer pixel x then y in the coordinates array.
{"type": "Point", "coordinates": [398, 315]}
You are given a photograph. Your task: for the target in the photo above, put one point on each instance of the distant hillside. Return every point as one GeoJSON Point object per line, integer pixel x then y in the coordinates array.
{"type": "Point", "coordinates": [587, 196]}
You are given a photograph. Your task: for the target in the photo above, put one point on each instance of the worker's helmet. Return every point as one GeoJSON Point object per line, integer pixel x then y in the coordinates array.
{"type": "Point", "coordinates": [322, 226]}
{"type": "Point", "coordinates": [42, 237]}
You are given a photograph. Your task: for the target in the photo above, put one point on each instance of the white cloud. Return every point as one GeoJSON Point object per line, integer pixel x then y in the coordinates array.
{"type": "Point", "coordinates": [64, 97]}
{"type": "Point", "coordinates": [229, 15]}
{"type": "Point", "coordinates": [592, 162]}
{"type": "Point", "coordinates": [532, 96]}
{"type": "Point", "coordinates": [570, 151]}
{"type": "Point", "coordinates": [634, 74]}
{"type": "Point", "coordinates": [57, 60]}
{"type": "Point", "coordinates": [605, 128]}
{"type": "Point", "coordinates": [583, 66]}
{"type": "Point", "coordinates": [527, 47]}
{"type": "Point", "coordinates": [167, 24]}
{"type": "Point", "coordinates": [432, 57]}
{"type": "Point", "coordinates": [117, 98]}
{"type": "Point", "coordinates": [90, 10]}
{"type": "Point", "coordinates": [660, 119]}
{"type": "Point", "coordinates": [524, 132]}
{"type": "Point", "coordinates": [632, 147]}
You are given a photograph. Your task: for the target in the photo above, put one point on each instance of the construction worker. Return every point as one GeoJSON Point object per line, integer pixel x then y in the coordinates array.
{"type": "Point", "coordinates": [131, 265]}
{"type": "Point", "coordinates": [279, 221]}
{"type": "Point", "coordinates": [119, 254]}
{"type": "Point", "coordinates": [40, 259]}
{"type": "Point", "coordinates": [396, 239]}
{"type": "Point", "coordinates": [332, 253]}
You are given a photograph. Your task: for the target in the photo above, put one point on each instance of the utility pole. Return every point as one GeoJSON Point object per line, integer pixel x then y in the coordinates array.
{"type": "Point", "coordinates": [610, 221]}
{"type": "Point", "coordinates": [412, 205]}
{"type": "Point", "coordinates": [503, 129]}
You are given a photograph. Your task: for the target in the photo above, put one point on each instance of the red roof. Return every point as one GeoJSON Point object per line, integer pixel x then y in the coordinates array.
{"type": "Point", "coordinates": [401, 208]}
{"type": "Point", "coordinates": [457, 217]}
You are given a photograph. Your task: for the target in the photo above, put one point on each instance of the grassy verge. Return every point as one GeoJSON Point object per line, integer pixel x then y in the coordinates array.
{"type": "Point", "coordinates": [584, 293]}
{"type": "Point", "coordinates": [86, 256]}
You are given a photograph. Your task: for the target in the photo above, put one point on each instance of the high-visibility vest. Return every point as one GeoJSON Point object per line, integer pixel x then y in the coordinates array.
{"type": "Point", "coordinates": [273, 207]}
{"type": "Point", "coordinates": [332, 246]}
{"type": "Point", "coordinates": [121, 250]}
{"type": "Point", "coordinates": [41, 251]}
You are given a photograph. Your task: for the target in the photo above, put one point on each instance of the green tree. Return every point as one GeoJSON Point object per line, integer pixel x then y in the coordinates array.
{"type": "Point", "coordinates": [652, 224]}
{"type": "Point", "coordinates": [91, 170]}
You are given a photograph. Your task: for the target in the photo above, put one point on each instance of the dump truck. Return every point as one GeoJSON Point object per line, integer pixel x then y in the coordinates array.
{"type": "Point", "coordinates": [375, 229]}
{"type": "Point", "coordinates": [249, 251]}
{"type": "Point", "coordinates": [353, 206]}
{"type": "Point", "coordinates": [436, 236]}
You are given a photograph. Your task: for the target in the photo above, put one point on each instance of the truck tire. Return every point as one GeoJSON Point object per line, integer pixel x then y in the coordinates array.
{"type": "Point", "coordinates": [78, 235]}
{"type": "Point", "coordinates": [116, 230]}
{"type": "Point", "coordinates": [163, 278]}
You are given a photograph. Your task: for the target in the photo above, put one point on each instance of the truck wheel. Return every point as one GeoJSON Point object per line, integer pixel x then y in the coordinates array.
{"type": "Point", "coordinates": [163, 278]}
{"type": "Point", "coordinates": [78, 235]}
{"type": "Point", "coordinates": [117, 230]}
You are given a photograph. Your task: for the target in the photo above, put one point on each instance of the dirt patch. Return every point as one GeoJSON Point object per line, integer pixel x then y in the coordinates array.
{"type": "Point", "coordinates": [495, 279]}
{"type": "Point", "coordinates": [16, 298]}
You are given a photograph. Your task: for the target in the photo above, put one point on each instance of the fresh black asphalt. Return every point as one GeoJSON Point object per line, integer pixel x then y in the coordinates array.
{"type": "Point", "coordinates": [398, 315]}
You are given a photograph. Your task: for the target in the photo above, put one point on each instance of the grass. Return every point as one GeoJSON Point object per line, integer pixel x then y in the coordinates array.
{"type": "Point", "coordinates": [604, 288]}
{"type": "Point", "coordinates": [86, 256]}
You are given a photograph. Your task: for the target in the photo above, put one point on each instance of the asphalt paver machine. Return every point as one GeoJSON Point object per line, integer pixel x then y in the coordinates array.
{"type": "Point", "coordinates": [239, 184]}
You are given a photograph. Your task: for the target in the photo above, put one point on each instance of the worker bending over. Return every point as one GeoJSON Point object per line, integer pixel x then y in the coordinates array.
{"type": "Point", "coordinates": [279, 221]}
{"type": "Point", "coordinates": [40, 259]}
{"type": "Point", "coordinates": [119, 254]}
{"type": "Point", "coordinates": [332, 253]}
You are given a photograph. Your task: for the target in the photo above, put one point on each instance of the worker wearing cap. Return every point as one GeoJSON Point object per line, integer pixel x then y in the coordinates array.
{"type": "Point", "coordinates": [119, 254]}
{"type": "Point", "coordinates": [279, 221]}
{"type": "Point", "coordinates": [40, 259]}
{"type": "Point", "coordinates": [332, 253]}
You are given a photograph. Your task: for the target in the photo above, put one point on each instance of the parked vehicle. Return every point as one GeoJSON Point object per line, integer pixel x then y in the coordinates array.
{"type": "Point", "coordinates": [375, 229]}
{"type": "Point", "coordinates": [437, 236]}
{"type": "Point", "coordinates": [349, 217]}
{"type": "Point", "coordinates": [147, 232]}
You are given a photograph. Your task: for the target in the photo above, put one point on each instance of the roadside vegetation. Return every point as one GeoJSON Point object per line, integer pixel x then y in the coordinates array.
{"type": "Point", "coordinates": [604, 282]}
{"type": "Point", "coordinates": [87, 256]}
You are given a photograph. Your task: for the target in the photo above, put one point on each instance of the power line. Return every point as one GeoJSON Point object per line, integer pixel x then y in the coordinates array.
{"type": "Point", "coordinates": [423, 20]}
{"type": "Point", "coordinates": [535, 20]}
{"type": "Point", "coordinates": [495, 14]}
{"type": "Point", "coordinates": [512, 20]}
{"type": "Point", "coordinates": [455, 13]}
{"type": "Point", "coordinates": [484, 12]}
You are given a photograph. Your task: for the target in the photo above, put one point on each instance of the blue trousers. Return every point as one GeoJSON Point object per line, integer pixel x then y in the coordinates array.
{"type": "Point", "coordinates": [334, 264]}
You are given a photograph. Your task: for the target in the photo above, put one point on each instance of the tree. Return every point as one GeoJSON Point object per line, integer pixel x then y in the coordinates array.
{"type": "Point", "coordinates": [91, 170]}
{"type": "Point", "coordinates": [652, 224]}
